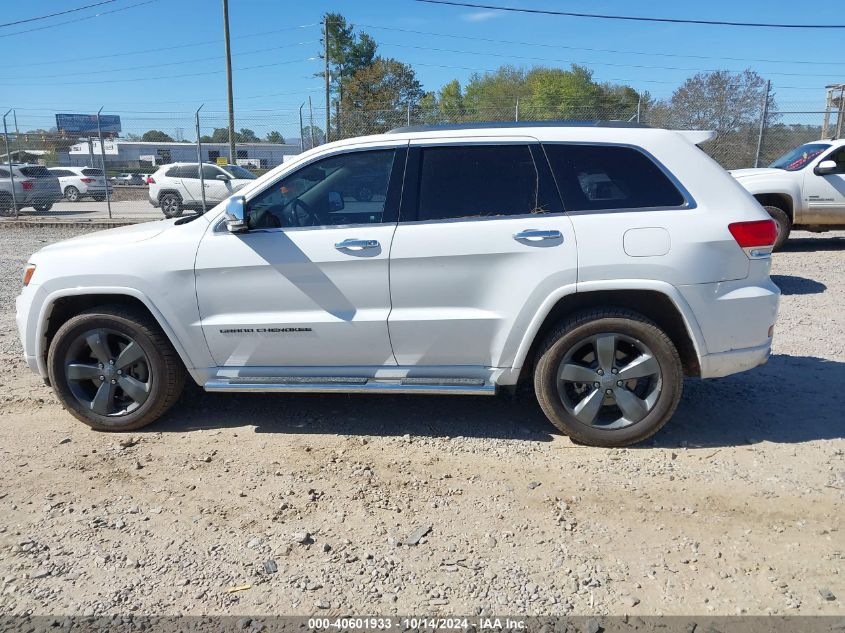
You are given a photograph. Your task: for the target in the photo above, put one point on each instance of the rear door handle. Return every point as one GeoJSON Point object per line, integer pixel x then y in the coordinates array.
{"type": "Point", "coordinates": [356, 245]}
{"type": "Point", "coordinates": [531, 235]}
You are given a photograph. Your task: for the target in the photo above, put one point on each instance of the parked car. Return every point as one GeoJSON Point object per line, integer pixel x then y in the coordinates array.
{"type": "Point", "coordinates": [176, 187]}
{"type": "Point", "coordinates": [80, 182]}
{"type": "Point", "coordinates": [34, 186]}
{"type": "Point", "coordinates": [601, 264]}
{"type": "Point", "coordinates": [803, 189]}
{"type": "Point", "coordinates": [127, 179]}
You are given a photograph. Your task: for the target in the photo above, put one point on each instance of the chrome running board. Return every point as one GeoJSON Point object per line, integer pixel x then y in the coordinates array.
{"type": "Point", "coordinates": [319, 384]}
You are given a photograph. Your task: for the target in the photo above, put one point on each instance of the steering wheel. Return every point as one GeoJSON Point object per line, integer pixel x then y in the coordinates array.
{"type": "Point", "coordinates": [302, 214]}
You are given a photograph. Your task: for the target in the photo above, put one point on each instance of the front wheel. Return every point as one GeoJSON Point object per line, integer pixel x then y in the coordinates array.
{"type": "Point", "coordinates": [784, 225]}
{"type": "Point", "coordinates": [171, 205]}
{"type": "Point", "coordinates": [114, 369]}
{"type": "Point", "coordinates": [608, 378]}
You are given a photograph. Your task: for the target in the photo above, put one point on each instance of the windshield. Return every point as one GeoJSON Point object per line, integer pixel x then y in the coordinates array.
{"type": "Point", "coordinates": [236, 171]}
{"type": "Point", "coordinates": [799, 157]}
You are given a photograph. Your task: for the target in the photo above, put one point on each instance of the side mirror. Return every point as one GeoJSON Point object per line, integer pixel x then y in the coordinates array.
{"type": "Point", "coordinates": [236, 214]}
{"type": "Point", "coordinates": [826, 167]}
{"type": "Point", "coordinates": [335, 201]}
{"type": "Point", "coordinates": [222, 177]}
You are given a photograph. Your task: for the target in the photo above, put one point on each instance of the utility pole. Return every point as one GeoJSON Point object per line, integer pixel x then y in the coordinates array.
{"type": "Point", "coordinates": [762, 124]}
{"type": "Point", "coordinates": [326, 73]}
{"type": "Point", "coordinates": [232, 156]}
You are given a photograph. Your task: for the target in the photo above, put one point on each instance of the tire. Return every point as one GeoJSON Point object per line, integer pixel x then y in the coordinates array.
{"type": "Point", "coordinates": [43, 208]}
{"type": "Point", "coordinates": [72, 194]}
{"type": "Point", "coordinates": [153, 375]}
{"type": "Point", "coordinates": [781, 218]}
{"type": "Point", "coordinates": [649, 400]}
{"type": "Point", "coordinates": [171, 205]}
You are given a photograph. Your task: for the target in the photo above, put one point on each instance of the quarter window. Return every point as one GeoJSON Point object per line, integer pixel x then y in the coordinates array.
{"type": "Point", "coordinates": [346, 188]}
{"type": "Point", "coordinates": [597, 177]}
{"type": "Point", "coordinates": [477, 181]}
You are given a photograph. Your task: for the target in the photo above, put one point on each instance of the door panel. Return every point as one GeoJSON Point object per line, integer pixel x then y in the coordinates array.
{"type": "Point", "coordinates": [308, 285]}
{"type": "Point", "coordinates": [826, 193]}
{"type": "Point", "coordinates": [289, 297]}
{"type": "Point", "coordinates": [464, 288]}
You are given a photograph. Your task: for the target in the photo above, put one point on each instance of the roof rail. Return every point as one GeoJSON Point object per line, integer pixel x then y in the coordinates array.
{"type": "Point", "coordinates": [515, 124]}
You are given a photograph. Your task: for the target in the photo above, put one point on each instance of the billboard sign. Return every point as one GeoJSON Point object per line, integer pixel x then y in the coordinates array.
{"type": "Point", "coordinates": [87, 123]}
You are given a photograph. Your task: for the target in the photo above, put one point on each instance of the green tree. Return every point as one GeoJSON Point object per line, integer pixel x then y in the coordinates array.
{"type": "Point", "coordinates": [156, 136]}
{"type": "Point", "coordinates": [246, 136]}
{"type": "Point", "coordinates": [377, 97]}
{"type": "Point", "coordinates": [275, 137]}
{"type": "Point", "coordinates": [319, 137]}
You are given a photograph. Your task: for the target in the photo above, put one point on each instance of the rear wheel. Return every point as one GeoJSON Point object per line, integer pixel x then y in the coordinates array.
{"type": "Point", "coordinates": [608, 378]}
{"type": "Point", "coordinates": [114, 369]}
{"type": "Point", "coordinates": [171, 205]}
{"type": "Point", "coordinates": [784, 224]}
{"type": "Point", "coordinates": [71, 194]}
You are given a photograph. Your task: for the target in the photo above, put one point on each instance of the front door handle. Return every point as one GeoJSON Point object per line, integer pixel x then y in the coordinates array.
{"type": "Point", "coordinates": [356, 245]}
{"type": "Point", "coordinates": [531, 235]}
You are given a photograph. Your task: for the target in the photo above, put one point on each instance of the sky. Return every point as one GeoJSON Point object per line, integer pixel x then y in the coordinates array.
{"type": "Point", "coordinates": [154, 62]}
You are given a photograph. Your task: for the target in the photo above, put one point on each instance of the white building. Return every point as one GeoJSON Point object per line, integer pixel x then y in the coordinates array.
{"type": "Point", "coordinates": [130, 155]}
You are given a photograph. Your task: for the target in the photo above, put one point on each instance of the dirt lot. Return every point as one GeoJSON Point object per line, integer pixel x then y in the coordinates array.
{"type": "Point", "coordinates": [306, 504]}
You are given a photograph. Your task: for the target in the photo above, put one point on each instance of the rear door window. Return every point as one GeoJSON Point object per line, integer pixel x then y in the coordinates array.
{"type": "Point", "coordinates": [467, 181]}
{"type": "Point", "coordinates": [601, 177]}
{"type": "Point", "coordinates": [95, 173]}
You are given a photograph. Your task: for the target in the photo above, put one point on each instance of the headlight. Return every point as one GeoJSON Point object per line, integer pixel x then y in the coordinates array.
{"type": "Point", "coordinates": [28, 272]}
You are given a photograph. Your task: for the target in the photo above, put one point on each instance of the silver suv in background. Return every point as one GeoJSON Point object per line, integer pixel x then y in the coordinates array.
{"type": "Point", "coordinates": [177, 186]}
{"type": "Point", "coordinates": [80, 182]}
{"type": "Point", "coordinates": [34, 186]}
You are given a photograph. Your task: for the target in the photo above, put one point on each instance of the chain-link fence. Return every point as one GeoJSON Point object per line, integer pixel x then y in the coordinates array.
{"type": "Point", "coordinates": [264, 139]}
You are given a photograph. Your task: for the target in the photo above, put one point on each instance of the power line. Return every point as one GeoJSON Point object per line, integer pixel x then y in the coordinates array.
{"type": "Point", "coordinates": [53, 15]}
{"type": "Point", "coordinates": [602, 50]}
{"type": "Point", "coordinates": [583, 63]}
{"type": "Point", "coordinates": [634, 18]}
{"type": "Point", "coordinates": [159, 65]}
{"type": "Point", "coordinates": [87, 17]}
{"type": "Point", "coordinates": [160, 48]}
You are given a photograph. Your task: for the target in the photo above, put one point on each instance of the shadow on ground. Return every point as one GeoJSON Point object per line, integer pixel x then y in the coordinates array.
{"type": "Point", "coordinates": [791, 399]}
{"type": "Point", "coordinates": [813, 244]}
{"type": "Point", "coordinates": [792, 285]}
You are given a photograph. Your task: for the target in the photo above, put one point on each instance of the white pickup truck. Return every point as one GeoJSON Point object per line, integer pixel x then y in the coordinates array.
{"type": "Point", "coordinates": [803, 189]}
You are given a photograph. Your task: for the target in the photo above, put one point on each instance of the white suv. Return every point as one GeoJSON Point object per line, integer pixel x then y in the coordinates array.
{"type": "Point", "coordinates": [80, 182]}
{"type": "Point", "coordinates": [177, 186]}
{"type": "Point", "coordinates": [601, 263]}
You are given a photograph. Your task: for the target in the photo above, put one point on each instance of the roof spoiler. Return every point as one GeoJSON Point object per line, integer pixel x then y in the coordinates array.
{"type": "Point", "coordinates": [697, 137]}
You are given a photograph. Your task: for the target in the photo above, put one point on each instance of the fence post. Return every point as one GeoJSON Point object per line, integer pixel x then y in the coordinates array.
{"type": "Point", "coordinates": [639, 107]}
{"type": "Point", "coordinates": [301, 131]}
{"type": "Point", "coordinates": [103, 157]}
{"type": "Point", "coordinates": [311, 125]}
{"type": "Point", "coordinates": [9, 162]}
{"type": "Point", "coordinates": [199, 158]}
{"type": "Point", "coordinates": [841, 116]}
{"type": "Point", "coordinates": [17, 133]}
{"type": "Point", "coordinates": [516, 110]}
{"type": "Point", "coordinates": [762, 124]}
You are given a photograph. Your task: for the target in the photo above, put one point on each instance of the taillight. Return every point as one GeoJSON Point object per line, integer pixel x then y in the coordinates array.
{"type": "Point", "coordinates": [87, 180]}
{"type": "Point", "coordinates": [27, 184]}
{"type": "Point", "coordinates": [756, 238]}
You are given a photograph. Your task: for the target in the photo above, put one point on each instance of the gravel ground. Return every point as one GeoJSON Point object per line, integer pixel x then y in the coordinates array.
{"type": "Point", "coordinates": [259, 504]}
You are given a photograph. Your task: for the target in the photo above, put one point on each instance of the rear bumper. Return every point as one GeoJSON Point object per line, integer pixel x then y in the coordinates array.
{"type": "Point", "coordinates": [734, 361]}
